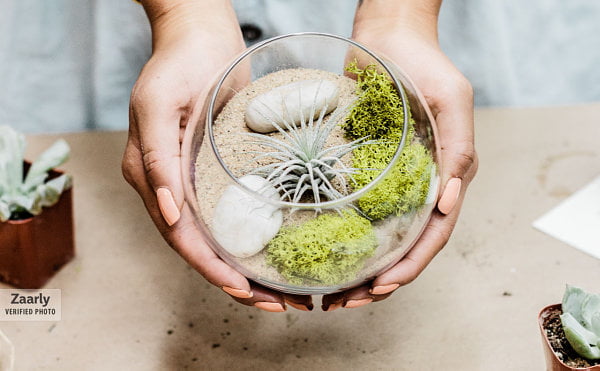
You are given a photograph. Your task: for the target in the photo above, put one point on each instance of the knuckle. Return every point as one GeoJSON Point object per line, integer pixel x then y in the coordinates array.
{"type": "Point", "coordinates": [146, 90]}
{"type": "Point", "coordinates": [463, 85]}
{"type": "Point", "coordinates": [127, 164]}
{"type": "Point", "coordinates": [152, 160]}
{"type": "Point", "coordinates": [440, 234]}
{"type": "Point", "coordinates": [157, 161]}
{"type": "Point", "coordinates": [466, 158]}
{"type": "Point", "coordinates": [457, 85]}
{"type": "Point", "coordinates": [410, 277]}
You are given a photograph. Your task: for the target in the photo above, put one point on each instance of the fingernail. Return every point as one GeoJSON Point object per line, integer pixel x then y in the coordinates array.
{"type": "Point", "coordinates": [450, 196]}
{"type": "Point", "coordinates": [357, 303]}
{"type": "Point", "coordinates": [333, 307]}
{"type": "Point", "coordinates": [238, 293]}
{"type": "Point", "coordinates": [306, 308]}
{"type": "Point", "coordinates": [384, 289]}
{"type": "Point", "coordinates": [168, 207]}
{"type": "Point", "coordinates": [269, 307]}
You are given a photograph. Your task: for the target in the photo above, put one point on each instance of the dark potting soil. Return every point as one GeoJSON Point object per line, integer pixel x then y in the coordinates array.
{"type": "Point", "coordinates": [560, 344]}
{"type": "Point", "coordinates": [20, 215]}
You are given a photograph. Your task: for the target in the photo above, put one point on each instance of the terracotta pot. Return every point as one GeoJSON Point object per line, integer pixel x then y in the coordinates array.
{"type": "Point", "coordinates": [553, 363]}
{"type": "Point", "coordinates": [32, 250]}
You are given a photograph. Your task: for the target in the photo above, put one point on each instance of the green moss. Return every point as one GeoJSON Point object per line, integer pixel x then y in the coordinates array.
{"type": "Point", "coordinates": [378, 114]}
{"type": "Point", "coordinates": [406, 185]}
{"type": "Point", "coordinates": [378, 110]}
{"type": "Point", "coordinates": [327, 250]}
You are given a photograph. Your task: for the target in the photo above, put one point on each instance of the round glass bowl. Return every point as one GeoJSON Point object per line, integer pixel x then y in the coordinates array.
{"type": "Point", "coordinates": [313, 165]}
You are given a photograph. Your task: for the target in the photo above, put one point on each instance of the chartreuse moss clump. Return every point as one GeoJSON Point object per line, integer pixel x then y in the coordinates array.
{"type": "Point", "coordinates": [327, 250]}
{"type": "Point", "coordinates": [403, 189]}
{"type": "Point", "coordinates": [378, 111]}
{"type": "Point", "coordinates": [379, 115]}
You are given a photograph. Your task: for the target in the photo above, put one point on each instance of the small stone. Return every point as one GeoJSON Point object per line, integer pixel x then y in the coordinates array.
{"type": "Point", "coordinates": [291, 103]}
{"type": "Point", "coordinates": [243, 224]}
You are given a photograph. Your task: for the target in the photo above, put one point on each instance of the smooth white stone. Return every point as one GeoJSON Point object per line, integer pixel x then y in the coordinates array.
{"type": "Point", "coordinates": [292, 103]}
{"type": "Point", "coordinates": [243, 224]}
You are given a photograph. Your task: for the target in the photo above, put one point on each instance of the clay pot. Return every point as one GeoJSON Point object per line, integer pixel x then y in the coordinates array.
{"type": "Point", "coordinates": [32, 250]}
{"type": "Point", "coordinates": [553, 363]}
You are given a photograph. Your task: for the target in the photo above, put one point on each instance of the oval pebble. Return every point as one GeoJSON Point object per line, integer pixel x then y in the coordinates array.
{"type": "Point", "coordinates": [242, 224]}
{"type": "Point", "coordinates": [292, 102]}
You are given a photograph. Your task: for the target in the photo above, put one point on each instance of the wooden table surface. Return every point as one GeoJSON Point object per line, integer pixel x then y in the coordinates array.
{"type": "Point", "coordinates": [130, 303]}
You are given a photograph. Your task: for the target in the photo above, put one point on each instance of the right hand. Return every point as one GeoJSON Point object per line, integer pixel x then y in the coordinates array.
{"type": "Point", "coordinates": [191, 46]}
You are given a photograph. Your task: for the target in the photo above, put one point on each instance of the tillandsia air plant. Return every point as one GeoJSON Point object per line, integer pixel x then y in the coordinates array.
{"type": "Point", "coordinates": [22, 197]}
{"type": "Point", "coordinates": [581, 321]}
{"type": "Point", "coordinates": [302, 163]}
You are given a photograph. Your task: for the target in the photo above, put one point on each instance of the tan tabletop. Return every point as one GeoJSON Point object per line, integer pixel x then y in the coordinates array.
{"type": "Point", "coordinates": [130, 303]}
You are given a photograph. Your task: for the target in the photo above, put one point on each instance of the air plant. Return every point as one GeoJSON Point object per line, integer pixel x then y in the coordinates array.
{"type": "Point", "coordinates": [302, 161]}
{"type": "Point", "coordinates": [18, 196]}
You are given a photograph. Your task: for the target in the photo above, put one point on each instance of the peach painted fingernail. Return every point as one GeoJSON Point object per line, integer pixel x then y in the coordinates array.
{"type": "Point", "coordinates": [306, 308]}
{"type": "Point", "coordinates": [384, 289]}
{"type": "Point", "coordinates": [357, 303]}
{"type": "Point", "coordinates": [238, 293]}
{"type": "Point", "coordinates": [450, 196]}
{"type": "Point", "coordinates": [269, 307]}
{"type": "Point", "coordinates": [333, 307]}
{"type": "Point", "coordinates": [168, 207]}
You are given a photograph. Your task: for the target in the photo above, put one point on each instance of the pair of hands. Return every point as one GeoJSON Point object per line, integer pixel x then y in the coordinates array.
{"type": "Point", "coordinates": [179, 74]}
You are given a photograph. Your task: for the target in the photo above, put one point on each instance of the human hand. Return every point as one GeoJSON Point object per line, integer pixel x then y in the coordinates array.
{"type": "Point", "coordinates": [192, 43]}
{"type": "Point", "coordinates": [410, 40]}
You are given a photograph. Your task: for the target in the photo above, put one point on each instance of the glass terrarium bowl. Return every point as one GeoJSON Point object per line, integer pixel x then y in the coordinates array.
{"type": "Point", "coordinates": [313, 165]}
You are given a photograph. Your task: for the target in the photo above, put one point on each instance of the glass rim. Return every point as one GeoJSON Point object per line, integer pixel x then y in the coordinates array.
{"type": "Point", "coordinates": [331, 204]}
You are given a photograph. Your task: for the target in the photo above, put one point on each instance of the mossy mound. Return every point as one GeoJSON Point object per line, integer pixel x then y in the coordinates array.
{"type": "Point", "coordinates": [327, 250]}
{"type": "Point", "coordinates": [403, 189]}
{"type": "Point", "coordinates": [378, 114]}
{"type": "Point", "coordinates": [378, 111]}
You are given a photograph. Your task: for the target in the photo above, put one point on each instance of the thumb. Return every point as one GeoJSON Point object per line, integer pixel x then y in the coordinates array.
{"type": "Point", "coordinates": [159, 133]}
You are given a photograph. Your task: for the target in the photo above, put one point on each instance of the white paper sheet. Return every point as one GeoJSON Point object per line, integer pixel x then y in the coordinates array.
{"type": "Point", "coordinates": [576, 221]}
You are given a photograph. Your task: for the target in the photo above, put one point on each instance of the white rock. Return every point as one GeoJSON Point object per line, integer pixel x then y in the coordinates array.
{"type": "Point", "coordinates": [243, 224]}
{"type": "Point", "coordinates": [291, 102]}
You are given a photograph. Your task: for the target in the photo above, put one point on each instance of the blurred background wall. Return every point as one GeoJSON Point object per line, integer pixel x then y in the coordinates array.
{"type": "Point", "coordinates": [69, 65]}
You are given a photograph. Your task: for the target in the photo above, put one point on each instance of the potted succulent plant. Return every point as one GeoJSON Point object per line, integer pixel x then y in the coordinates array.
{"type": "Point", "coordinates": [36, 222]}
{"type": "Point", "coordinates": [571, 331]}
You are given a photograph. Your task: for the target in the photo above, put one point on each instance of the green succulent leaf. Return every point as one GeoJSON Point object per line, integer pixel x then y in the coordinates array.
{"type": "Point", "coordinates": [595, 325]}
{"type": "Point", "coordinates": [28, 196]}
{"type": "Point", "coordinates": [54, 156]}
{"type": "Point", "coordinates": [573, 300]}
{"type": "Point", "coordinates": [589, 308]}
{"type": "Point", "coordinates": [12, 150]}
{"type": "Point", "coordinates": [4, 211]}
{"type": "Point", "coordinates": [49, 192]}
{"type": "Point", "coordinates": [581, 321]}
{"type": "Point", "coordinates": [583, 341]}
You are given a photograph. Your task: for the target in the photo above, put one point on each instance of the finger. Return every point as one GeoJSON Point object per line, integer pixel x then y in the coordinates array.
{"type": "Point", "coordinates": [265, 299]}
{"type": "Point", "coordinates": [300, 302]}
{"type": "Point", "coordinates": [434, 237]}
{"type": "Point", "coordinates": [333, 301]}
{"type": "Point", "coordinates": [454, 116]}
{"type": "Point", "coordinates": [185, 237]}
{"type": "Point", "coordinates": [357, 297]}
{"type": "Point", "coordinates": [159, 136]}
{"type": "Point", "coordinates": [353, 298]}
